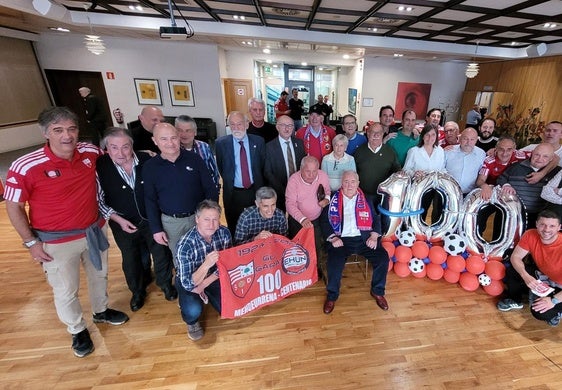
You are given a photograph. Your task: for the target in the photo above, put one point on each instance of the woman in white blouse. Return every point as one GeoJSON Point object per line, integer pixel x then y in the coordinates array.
{"type": "Point", "coordinates": [427, 156]}
{"type": "Point", "coordinates": [337, 162]}
{"type": "Point", "coordinates": [552, 193]}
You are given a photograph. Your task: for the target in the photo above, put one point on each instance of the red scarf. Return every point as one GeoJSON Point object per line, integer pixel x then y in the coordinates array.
{"type": "Point", "coordinates": [363, 216]}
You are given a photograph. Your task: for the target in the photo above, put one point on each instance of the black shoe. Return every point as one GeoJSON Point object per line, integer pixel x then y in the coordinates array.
{"type": "Point", "coordinates": [137, 301]}
{"type": "Point", "coordinates": [170, 293]}
{"type": "Point", "coordinates": [82, 344]}
{"type": "Point", "coordinates": [110, 316]}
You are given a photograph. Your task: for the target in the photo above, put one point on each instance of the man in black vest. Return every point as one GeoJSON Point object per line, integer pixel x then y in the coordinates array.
{"type": "Point", "coordinates": [122, 201]}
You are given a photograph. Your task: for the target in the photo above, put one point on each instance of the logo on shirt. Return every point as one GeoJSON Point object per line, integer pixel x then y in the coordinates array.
{"type": "Point", "coordinates": [189, 168]}
{"type": "Point", "coordinates": [87, 162]}
{"type": "Point", "coordinates": [52, 174]}
{"type": "Point", "coordinates": [241, 279]}
{"type": "Point", "coordinates": [12, 180]}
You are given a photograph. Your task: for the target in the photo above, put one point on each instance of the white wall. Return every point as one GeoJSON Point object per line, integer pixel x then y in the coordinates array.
{"type": "Point", "coordinates": [381, 77]}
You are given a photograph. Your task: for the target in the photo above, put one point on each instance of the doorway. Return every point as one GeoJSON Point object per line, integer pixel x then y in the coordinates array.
{"type": "Point", "coordinates": [64, 86]}
{"type": "Point", "coordinates": [236, 94]}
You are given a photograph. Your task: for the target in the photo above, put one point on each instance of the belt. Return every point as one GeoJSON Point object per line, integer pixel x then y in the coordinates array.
{"type": "Point", "coordinates": [180, 215]}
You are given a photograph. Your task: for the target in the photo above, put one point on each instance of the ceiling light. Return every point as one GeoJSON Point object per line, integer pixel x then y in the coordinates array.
{"type": "Point", "coordinates": [471, 70]}
{"type": "Point", "coordinates": [275, 66]}
{"type": "Point", "coordinates": [346, 56]}
{"type": "Point", "coordinates": [268, 61]}
{"type": "Point", "coordinates": [404, 8]}
{"type": "Point", "coordinates": [94, 44]}
{"type": "Point", "coordinates": [513, 43]}
{"type": "Point", "coordinates": [304, 64]}
{"type": "Point", "coordinates": [135, 8]}
{"type": "Point", "coordinates": [320, 68]}
{"type": "Point", "coordinates": [398, 55]}
{"type": "Point", "coordinates": [373, 29]}
{"type": "Point", "coordinates": [59, 29]}
{"type": "Point", "coordinates": [266, 51]}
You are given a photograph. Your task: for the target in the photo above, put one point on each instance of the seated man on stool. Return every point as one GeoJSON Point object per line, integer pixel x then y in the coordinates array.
{"type": "Point", "coordinates": [352, 227]}
{"type": "Point", "coordinates": [197, 279]}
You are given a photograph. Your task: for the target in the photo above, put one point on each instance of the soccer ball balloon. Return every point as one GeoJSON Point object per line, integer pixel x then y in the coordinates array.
{"type": "Point", "coordinates": [484, 280]}
{"type": "Point", "coordinates": [454, 244]}
{"type": "Point", "coordinates": [407, 237]}
{"type": "Point", "coordinates": [416, 265]}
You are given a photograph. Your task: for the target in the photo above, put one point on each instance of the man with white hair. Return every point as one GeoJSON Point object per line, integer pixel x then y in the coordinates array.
{"type": "Point", "coordinates": [258, 125]}
{"type": "Point", "coordinates": [96, 116]}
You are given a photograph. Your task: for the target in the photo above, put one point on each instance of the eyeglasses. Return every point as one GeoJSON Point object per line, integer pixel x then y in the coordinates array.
{"type": "Point", "coordinates": [284, 126]}
{"type": "Point", "coordinates": [349, 124]}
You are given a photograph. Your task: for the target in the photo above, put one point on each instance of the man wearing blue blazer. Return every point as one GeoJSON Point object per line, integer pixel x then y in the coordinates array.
{"type": "Point", "coordinates": [240, 159]}
{"type": "Point", "coordinates": [283, 156]}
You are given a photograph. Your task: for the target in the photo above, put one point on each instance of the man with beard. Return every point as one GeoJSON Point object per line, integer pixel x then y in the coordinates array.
{"type": "Point", "coordinates": [486, 139]}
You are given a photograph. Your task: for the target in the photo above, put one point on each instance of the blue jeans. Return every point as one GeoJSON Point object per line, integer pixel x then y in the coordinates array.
{"type": "Point", "coordinates": [378, 257]}
{"type": "Point", "coordinates": [191, 305]}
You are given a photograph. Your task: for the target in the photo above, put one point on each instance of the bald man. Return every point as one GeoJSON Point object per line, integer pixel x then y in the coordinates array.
{"type": "Point", "coordinates": [463, 161]}
{"type": "Point", "coordinates": [149, 117]}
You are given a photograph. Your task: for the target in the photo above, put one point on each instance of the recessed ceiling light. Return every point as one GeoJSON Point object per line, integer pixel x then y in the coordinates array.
{"type": "Point", "coordinates": [275, 66]}
{"type": "Point", "coordinates": [404, 8]}
{"type": "Point", "coordinates": [373, 29]}
{"type": "Point", "coordinates": [513, 43]}
{"type": "Point", "coordinates": [320, 68]}
{"type": "Point", "coordinates": [59, 29]}
{"type": "Point", "coordinates": [268, 61]}
{"type": "Point", "coordinates": [135, 8]}
{"type": "Point", "coordinates": [266, 51]}
{"type": "Point", "coordinates": [398, 55]}
{"type": "Point", "coordinates": [345, 56]}
{"type": "Point", "coordinates": [549, 25]}
{"type": "Point", "coordinates": [304, 64]}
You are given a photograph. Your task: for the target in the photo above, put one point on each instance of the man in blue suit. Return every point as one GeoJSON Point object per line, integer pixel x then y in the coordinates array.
{"type": "Point", "coordinates": [240, 159]}
{"type": "Point", "coordinates": [282, 158]}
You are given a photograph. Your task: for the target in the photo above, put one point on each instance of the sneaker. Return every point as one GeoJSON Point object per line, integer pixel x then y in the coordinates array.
{"type": "Point", "coordinates": [110, 316]}
{"type": "Point", "coordinates": [82, 344]}
{"type": "Point", "coordinates": [509, 304]}
{"type": "Point", "coordinates": [195, 332]}
{"type": "Point", "coordinates": [554, 321]}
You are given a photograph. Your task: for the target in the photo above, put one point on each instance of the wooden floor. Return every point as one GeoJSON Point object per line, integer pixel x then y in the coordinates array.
{"type": "Point", "coordinates": [435, 336]}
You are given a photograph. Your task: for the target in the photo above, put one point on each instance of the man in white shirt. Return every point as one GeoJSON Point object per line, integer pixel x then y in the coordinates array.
{"type": "Point", "coordinates": [463, 161]}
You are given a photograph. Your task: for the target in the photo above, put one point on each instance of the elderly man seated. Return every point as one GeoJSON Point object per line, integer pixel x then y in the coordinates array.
{"type": "Point", "coordinates": [350, 226]}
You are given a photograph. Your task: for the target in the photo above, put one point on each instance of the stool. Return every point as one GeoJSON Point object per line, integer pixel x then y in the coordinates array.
{"type": "Point", "coordinates": [357, 259]}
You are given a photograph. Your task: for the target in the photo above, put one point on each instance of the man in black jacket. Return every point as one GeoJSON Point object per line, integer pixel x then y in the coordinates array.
{"type": "Point", "coordinates": [95, 114]}
{"type": "Point", "coordinates": [122, 201]}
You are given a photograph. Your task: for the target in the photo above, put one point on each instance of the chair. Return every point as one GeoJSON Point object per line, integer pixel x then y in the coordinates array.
{"type": "Point", "coordinates": [357, 259]}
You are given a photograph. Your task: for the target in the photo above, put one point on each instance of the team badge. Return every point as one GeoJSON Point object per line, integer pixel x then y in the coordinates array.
{"type": "Point", "coordinates": [241, 279]}
{"type": "Point", "coordinates": [87, 162]}
{"type": "Point", "coordinates": [295, 260]}
{"type": "Point", "coordinates": [52, 174]}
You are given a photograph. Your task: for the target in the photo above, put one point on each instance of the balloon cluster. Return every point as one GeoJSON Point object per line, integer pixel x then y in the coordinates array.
{"type": "Point", "coordinates": [448, 259]}
{"type": "Point", "coordinates": [436, 250]}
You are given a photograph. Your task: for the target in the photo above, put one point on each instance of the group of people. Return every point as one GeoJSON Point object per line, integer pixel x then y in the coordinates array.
{"type": "Point", "coordinates": [158, 187]}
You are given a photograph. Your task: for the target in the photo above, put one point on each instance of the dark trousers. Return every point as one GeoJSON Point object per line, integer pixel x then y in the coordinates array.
{"type": "Point", "coordinates": [482, 220]}
{"type": "Point", "coordinates": [295, 227]}
{"type": "Point", "coordinates": [432, 197]}
{"type": "Point", "coordinates": [132, 247]}
{"type": "Point", "coordinates": [378, 257]}
{"type": "Point", "coordinates": [240, 199]}
{"type": "Point", "coordinates": [191, 305]}
{"type": "Point", "coordinates": [516, 289]}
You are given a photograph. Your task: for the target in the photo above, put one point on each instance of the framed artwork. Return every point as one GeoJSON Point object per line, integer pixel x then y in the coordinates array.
{"type": "Point", "coordinates": [148, 91]}
{"type": "Point", "coordinates": [181, 93]}
{"type": "Point", "coordinates": [352, 100]}
{"type": "Point", "coordinates": [412, 96]}
{"type": "Point", "coordinates": [368, 102]}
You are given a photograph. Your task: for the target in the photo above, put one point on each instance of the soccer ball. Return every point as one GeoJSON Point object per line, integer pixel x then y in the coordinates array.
{"type": "Point", "coordinates": [484, 280]}
{"type": "Point", "coordinates": [407, 237]}
{"type": "Point", "coordinates": [416, 265]}
{"type": "Point", "coordinates": [455, 244]}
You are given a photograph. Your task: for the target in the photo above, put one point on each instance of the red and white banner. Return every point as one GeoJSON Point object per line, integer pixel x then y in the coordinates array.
{"type": "Point", "coordinates": [262, 272]}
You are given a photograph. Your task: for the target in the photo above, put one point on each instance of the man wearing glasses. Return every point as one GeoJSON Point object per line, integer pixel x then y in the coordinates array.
{"type": "Point", "coordinates": [349, 123]}
{"type": "Point", "coordinates": [282, 156]}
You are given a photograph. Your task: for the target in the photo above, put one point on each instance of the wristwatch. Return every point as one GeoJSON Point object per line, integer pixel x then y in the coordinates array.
{"type": "Point", "coordinates": [29, 244]}
{"type": "Point", "coordinates": [555, 301]}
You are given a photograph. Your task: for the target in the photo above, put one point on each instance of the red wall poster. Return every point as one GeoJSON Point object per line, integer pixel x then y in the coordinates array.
{"type": "Point", "coordinates": [262, 272]}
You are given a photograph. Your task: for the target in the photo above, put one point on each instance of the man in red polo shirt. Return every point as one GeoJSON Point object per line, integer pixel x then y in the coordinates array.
{"type": "Point", "coordinates": [63, 230]}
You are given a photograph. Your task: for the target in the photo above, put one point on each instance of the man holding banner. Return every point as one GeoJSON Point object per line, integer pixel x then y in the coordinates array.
{"type": "Point", "coordinates": [197, 276]}
{"type": "Point", "coordinates": [350, 226]}
{"type": "Point", "coordinates": [262, 220]}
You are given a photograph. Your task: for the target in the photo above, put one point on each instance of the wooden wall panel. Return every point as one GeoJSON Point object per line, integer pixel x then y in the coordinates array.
{"type": "Point", "coordinates": [532, 81]}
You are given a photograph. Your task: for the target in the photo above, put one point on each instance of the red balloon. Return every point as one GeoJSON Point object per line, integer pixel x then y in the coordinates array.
{"type": "Point", "coordinates": [469, 281]}
{"type": "Point", "coordinates": [389, 247]}
{"type": "Point", "coordinates": [434, 271]}
{"type": "Point", "coordinates": [456, 263]}
{"type": "Point", "coordinates": [403, 254]}
{"type": "Point", "coordinates": [451, 276]}
{"type": "Point", "coordinates": [495, 288]}
{"type": "Point", "coordinates": [420, 249]}
{"type": "Point", "coordinates": [390, 238]}
{"type": "Point", "coordinates": [475, 265]}
{"type": "Point", "coordinates": [495, 269]}
{"type": "Point", "coordinates": [437, 254]}
{"type": "Point", "coordinates": [402, 269]}
{"type": "Point", "coordinates": [390, 265]}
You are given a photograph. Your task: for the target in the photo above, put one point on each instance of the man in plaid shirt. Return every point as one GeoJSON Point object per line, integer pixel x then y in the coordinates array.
{"type": "Point", "coordinates": [261, 220]}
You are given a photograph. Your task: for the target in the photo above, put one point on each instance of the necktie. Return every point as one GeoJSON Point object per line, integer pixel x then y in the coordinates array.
{"type": "Point", "coordinates": [290, 159]}
{"type": "Point", "coordinates": [244, 166]}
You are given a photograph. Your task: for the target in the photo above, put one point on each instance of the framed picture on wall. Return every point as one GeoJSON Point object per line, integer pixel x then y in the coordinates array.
{"type": "Point", "coordinates": [148, 91]}
{"type": "Point", "coordinates": [352, 100]}
{"type": "Point", "coordinates": [181, 93]}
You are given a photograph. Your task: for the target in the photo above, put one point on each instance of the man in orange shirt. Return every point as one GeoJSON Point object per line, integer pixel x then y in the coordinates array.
{"type": "Point", "coordinates": [544, 244]}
